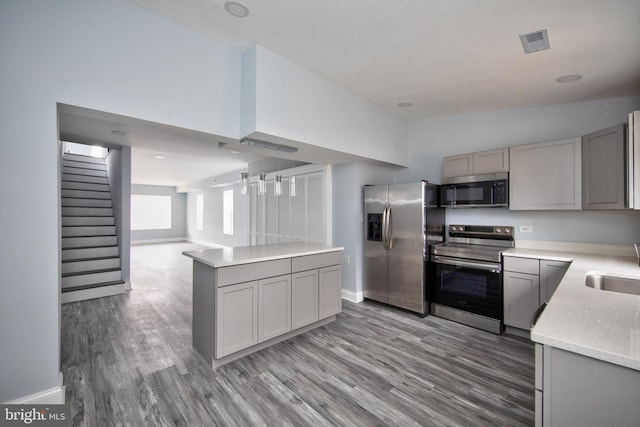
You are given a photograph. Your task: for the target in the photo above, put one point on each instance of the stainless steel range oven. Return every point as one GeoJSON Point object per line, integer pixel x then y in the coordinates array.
{"type": "Point", "coordinates": [468, 286]}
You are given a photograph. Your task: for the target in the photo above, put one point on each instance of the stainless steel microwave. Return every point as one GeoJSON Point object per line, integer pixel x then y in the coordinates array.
{"type": "Point", "coordinates": [479, 191]}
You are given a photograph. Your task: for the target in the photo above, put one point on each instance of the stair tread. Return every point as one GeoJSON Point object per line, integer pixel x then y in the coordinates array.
{"type": "Point", "coordinates": [94, 285]}
{"type": "Point", "coordinates": [86, 273]}
{"type": "Point", "coordinates": [103, 258]}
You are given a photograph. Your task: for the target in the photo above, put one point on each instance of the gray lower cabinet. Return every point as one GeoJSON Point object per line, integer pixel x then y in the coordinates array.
{"type": "Point", "coordinates": [304, 298]}
{"type": "Point", "coordinates": [528, 282]}
{"type": "Point", "coordinates": [520, 298]}
{"type": "Point", "coordinates": [250, 305]}
{"type": "Point", "coordinates": [329, 291]}
{"type": "Point", "coordinates": [274, 307]}
{"type": "Point", "coordinates": [236, 318]}
{"type": "Point", "coordinates": [551, 274]}
{"type": "Point", "coordinates": [581, 391]}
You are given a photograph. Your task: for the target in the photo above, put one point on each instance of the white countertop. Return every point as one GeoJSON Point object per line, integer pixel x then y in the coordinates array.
{"type": "Point", "coordinates": [228, 256]}
{"type": "Point", "coordinates": [600, 324]}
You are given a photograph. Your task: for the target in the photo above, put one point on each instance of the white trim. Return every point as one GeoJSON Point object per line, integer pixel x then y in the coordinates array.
{"type": "Point", "coordinates": [150, 241]}
{"type": "Point", "coordinates": [352, 296]}
{"type": "Point", "coordinates": [52, 396]}
{"type": "Point", "coordinates": [97, 292]}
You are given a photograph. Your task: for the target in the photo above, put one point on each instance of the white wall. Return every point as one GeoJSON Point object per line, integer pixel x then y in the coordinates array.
{"type": "Point", "coordinates": [178, 228]}
{"type": "Point", "coordinates": [102, 54]}
{"type": "Point", "coordinates": [295, 104]}
{"type": "Point", "coordinates": [213, 232]}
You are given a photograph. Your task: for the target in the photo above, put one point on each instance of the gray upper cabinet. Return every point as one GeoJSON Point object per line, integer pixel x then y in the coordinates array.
{"type": "Point", "coordinates": [491, 161]}
{"type": "Point", "coordinates": [546, 176]}
{"type": "Point", "coordinates": [478, 163]}
{"type": "Point", "coordinates": [461, 165]}
{"type": "Point", "coordinates": [603, 169]}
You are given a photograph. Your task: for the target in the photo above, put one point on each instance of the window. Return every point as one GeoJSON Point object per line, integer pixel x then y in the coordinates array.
{"type": "Point", "coordinates": [227, 212]}
{"type": "Point", "coordinates": [200, 212]}
{"type": "Point", "coordinates": [150, 212]}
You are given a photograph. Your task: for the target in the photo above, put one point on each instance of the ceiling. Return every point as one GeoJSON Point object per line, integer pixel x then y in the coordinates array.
{"type": "Point", "coordinates": [445, 57]}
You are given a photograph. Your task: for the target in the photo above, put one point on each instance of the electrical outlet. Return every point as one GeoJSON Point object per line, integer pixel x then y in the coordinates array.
{"type": "Point", "coordinates": [347, 259]}
{"type": "Point", "coordinates": [526, 228]}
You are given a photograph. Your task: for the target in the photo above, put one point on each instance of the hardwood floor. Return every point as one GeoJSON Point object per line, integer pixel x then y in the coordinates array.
{"type": "Point", "coordinates": [128, 360]}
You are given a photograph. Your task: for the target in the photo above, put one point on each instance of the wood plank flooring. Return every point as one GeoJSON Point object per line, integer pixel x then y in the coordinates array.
{"type": "Point", "coordinates": [128, 360]}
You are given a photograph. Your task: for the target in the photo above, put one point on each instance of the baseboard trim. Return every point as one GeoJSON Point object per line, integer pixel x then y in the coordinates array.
{"type": "Point", "coordinates": [352, 296]}
{"type": "Point", "coordinates": [52, 396]}
{"type": "Point", "coordinates": [151, 241]}
{"type": "Point", "coordinates": [205, 243]}
{"type": "Point", "coordinates": [99, 292]}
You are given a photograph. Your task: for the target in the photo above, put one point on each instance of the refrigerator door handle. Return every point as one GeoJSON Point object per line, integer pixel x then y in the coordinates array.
{"type": "Point", "coordinates": [384, 227]}
{"type": "Point", "coordinates": [388, 227]}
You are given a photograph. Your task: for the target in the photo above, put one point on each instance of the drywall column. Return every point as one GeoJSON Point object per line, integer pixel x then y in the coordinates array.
{"type": "Point", "coordinates": [119, 171]}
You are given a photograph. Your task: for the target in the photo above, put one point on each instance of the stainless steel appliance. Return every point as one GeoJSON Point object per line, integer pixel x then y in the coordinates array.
{"type": "Point", "coordinates": [402, 221]}
{"type": "Point", "coordinates": [468, 287]}
{"type": "Point", "coordinates": [489, 190]}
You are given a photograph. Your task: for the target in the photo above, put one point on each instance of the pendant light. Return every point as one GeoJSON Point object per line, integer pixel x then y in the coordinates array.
{"type": "Point", "coordinates": [292, 186]}
{"type": "Point", "coordinates": [262, 184]}
{"type": "Point", "coordinates": [277, 187]}
{"type": "Point", "coordinates": [244, 183]}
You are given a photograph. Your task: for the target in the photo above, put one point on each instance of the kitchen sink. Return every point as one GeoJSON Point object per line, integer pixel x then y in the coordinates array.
{"type": "Point", "coordinates": [606, 282]}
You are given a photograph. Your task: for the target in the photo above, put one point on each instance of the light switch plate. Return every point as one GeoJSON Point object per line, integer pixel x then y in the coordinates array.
{"type": "Point", "coordinates": [526, 228]}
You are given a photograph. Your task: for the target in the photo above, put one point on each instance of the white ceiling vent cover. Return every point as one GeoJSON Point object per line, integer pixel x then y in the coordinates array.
{"type": "Point", "coordinates": [535, 41]}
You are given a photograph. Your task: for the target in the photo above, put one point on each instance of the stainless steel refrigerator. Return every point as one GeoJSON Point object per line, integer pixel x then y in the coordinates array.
{"type": "Point", "coordinates": [402, 221]}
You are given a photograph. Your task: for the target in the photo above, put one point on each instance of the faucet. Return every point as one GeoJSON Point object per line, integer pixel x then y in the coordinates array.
{"type": "Point", "coordinates": [636, 246]}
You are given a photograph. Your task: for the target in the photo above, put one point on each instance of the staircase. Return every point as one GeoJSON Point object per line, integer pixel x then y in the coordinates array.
{"type": "Point", "coordinates": [90, 255]}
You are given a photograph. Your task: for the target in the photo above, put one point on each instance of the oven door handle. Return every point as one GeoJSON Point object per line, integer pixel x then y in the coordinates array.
{"type": "Point", "coordinates": [494, 268]}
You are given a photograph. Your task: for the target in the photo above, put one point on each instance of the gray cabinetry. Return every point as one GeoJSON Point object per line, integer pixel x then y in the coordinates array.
{"type": "Point", "coordinates": [478, 163]}
{"type": "Point", "coordinates": [528, 282]}
{"type": "Point", "coordinates": [241, 307]}
{"type": "Point", "coordinates": [237, 318]}
{"type": "Point", "coordinates": [460, 165]}
{"type": "Point", "coordinates": [329, 291]}
{"type": "Point", "coordinates": [546, 176]}
{"type": "Point", "coordinates": [551, 273]}
{"type": "Point", "coordinates": [581, 391]}
{"type": "Point", "coordinates": [603, 169]}
{"type": "Point", "coordinates": [491, 161]}
{"type": "Point", "coordinates": [304, 298]}
{"type": "Point", "coordinates": [274, 307]}
{"type": "Point", "coordinates": [520, 298]}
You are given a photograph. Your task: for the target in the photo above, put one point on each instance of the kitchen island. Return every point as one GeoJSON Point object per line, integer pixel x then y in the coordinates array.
{"type": "Point", "coordinates": [250, 297]}
{"type": "Point", "coordinates": [587, 344]}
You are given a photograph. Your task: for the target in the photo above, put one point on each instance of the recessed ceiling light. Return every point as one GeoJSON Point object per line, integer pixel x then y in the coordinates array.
{"type": "Point", "coordinates": [160, 157]}
{"type": "Point", "coordinates": [118, 132]}
{"type": "Point", "coordinates": [569, 78]}
{"type": "Point", "coordinates": [404, 104]}
{"type": "Point", "coordinates": [236, 9]}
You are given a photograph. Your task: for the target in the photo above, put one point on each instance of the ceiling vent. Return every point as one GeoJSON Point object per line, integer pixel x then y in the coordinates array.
{"type": "Point", "coordinates": [533, 42]}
